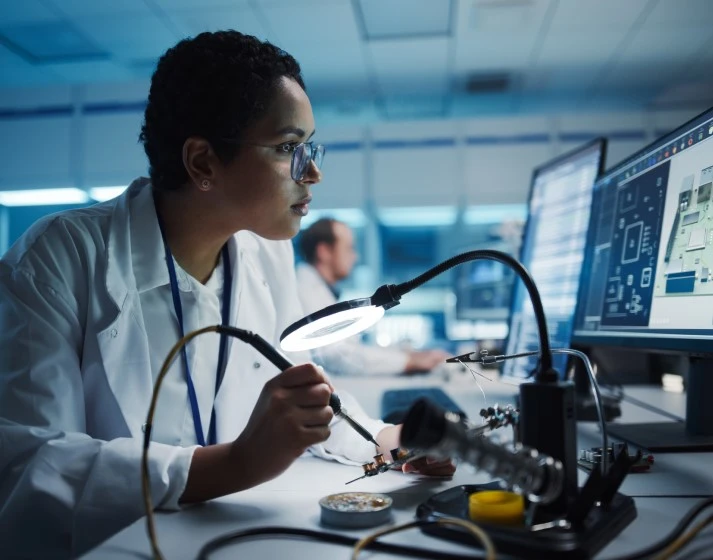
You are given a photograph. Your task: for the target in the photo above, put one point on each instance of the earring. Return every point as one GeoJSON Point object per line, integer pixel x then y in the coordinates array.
{"type": "Point", "coordinates": [205, 185]}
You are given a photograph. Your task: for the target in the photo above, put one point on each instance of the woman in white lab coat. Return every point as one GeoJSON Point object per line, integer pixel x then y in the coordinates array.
{"type": "Point", "coordinates": [91, 300]}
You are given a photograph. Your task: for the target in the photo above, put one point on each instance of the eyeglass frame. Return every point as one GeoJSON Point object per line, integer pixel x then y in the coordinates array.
{"type": "Point", "coordinates": [291, 148]}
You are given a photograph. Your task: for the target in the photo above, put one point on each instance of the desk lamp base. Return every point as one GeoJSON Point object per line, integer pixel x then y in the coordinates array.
{"type": "Point", "coordinates": [599, 528]}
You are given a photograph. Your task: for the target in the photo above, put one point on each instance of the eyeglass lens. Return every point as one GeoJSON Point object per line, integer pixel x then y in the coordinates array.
{"type": "Point", "coordinates": [303, 154]}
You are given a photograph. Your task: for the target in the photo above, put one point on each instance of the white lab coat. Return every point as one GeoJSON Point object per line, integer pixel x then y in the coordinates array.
{"type": "Point", "coordinates": [75, 379]}
{"type": "Point", "coordinates": [350, 356]}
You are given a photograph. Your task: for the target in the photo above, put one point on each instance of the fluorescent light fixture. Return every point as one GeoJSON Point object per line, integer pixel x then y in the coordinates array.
{"type": "Point", "coordinates": [43, 197]}
{"type": "Point", "coordinates": [101, 194]}
{"type": "Point", "coordinates": [353, 217]}
{"type": "Point", "coordinates": [418, 216]}
{"type": "Point", "coordinates": [494, 213]}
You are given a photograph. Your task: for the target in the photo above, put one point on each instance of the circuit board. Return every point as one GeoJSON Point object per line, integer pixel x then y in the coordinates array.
{"type": "Point", "coordinates": [688, 258]}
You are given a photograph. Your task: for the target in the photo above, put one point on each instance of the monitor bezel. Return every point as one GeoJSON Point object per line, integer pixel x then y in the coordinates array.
{"type": "Point", "coordinates": [667, 342]}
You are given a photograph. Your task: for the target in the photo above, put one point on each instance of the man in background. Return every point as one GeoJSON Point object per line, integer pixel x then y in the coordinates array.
{"type": "Point", "coordinates": [327, 247]}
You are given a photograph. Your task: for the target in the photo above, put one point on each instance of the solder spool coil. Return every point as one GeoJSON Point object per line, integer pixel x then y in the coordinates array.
{"type": "Point", "coordinates": [355, 509]}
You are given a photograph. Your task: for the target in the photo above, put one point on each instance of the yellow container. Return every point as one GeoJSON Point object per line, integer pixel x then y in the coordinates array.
{"type": "Point", "coordinates": [497, 507]}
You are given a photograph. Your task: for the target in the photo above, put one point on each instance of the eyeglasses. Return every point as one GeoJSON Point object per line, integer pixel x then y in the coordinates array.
{"type": "Point", "coordinates": [302, 154]}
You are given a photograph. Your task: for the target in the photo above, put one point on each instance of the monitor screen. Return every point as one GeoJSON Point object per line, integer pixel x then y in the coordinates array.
{"type": "Point", "coordinates": [552, 250]}
{"type": "Point", "coordinates": [647, 270]}
{"type": "Point", "coordinates": [647, 273]}
{"type": "Point", "coordinates": [483, 288]}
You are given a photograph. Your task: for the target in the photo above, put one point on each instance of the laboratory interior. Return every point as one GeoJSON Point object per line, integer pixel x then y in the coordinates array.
{"type": "Point", "coordinates": [325, 279]}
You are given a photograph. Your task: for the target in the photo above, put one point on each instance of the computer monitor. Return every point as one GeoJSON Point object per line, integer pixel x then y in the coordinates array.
{"type": "Point", "coordinates": [552, 250]}
{"type": "Point", "coordinates": [647, 271]}
{"type": "Point", "coordinates": [483, 287]}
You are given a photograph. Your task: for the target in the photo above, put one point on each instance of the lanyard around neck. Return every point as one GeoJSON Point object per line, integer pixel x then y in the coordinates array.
{"type": "Point", "coordinates": [225, 319]}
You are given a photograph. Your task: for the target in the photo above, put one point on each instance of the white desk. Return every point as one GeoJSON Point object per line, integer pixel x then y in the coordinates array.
{"type": "Point", "coordinates": [292, 499]}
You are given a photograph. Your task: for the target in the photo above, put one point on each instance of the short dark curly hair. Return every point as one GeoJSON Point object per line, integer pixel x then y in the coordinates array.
{"type": "Point", "coordinates": [321, 231]}
{"type": "Point", "coordinates": [212, 86]}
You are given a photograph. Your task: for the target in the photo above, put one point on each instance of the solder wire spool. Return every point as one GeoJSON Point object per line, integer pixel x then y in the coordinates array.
{"type": "Point", "coordinates": [497, 507]}
{"type": "Point", "coordinates": [356, 509]}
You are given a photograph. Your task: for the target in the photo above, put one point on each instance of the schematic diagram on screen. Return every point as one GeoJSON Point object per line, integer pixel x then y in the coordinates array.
{"type": "Point", "coordinates": [688, 258]}
{"type": "Point", "coordinates": [632, 267]}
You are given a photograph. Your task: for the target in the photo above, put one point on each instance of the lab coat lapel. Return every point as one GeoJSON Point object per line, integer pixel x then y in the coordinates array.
{"type": "Point", "coordinates": [123, 345]}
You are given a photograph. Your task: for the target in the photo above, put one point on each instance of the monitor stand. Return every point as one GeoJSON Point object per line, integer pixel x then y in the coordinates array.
{"type": "Point", "coordinates": [696, 434]}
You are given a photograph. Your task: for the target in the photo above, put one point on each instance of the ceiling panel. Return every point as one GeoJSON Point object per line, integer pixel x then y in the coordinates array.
{"type": "Point", "coordinates": [194, 21]}
{"type": "Point", "coordinates": [417, 66]}
{"type": "Point", "coordinates": [476, 16]}
{"type": "Point", "coordinates": [332, 56]}
{"type": "Point", "coordinates": [20, 75]}
{"type": "Point", "coordinates": [404, 18]}
{"type": "Point", "coordinates": [681, 13]}
{"type": "Point", "coordinates": [87, 8]}
{"type": "Point", "coordinates": [492, 51]}
{"type": "Point", "coordinates": [171, 5]}
{"type": "Point", "coordinates": [293, 24]}
{"type": "Point", "coordinates": [129, 37]}
{"type": "Point", "coordinates": [572, 48]}
{"type": "Point", "coordinates": [652, 46]}
{"type": "Point", "coordinates": [598, 15]}
{"type": "Point", "coordinates": [28, 11]}
{"type": "Point", "coordinates": [559, 78]}
{"type": "Point", "coordinates": [50, 41]}
{"type": "Point", "coordinates": [99, 70]}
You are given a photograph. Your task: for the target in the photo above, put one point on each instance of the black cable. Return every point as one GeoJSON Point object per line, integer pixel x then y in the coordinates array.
{"type": "Point", "coordinates": [331, 538]}
{"type": "Point", "coordinates": [672, 536]}
{"type": "Point", "coordinates": [545, 364]}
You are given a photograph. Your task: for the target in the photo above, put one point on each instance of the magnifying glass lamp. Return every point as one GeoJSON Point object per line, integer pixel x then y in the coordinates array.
{"type": "Point", "coordinates": [552, 433]}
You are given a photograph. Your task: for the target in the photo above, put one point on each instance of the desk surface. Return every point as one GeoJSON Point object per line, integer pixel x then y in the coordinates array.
{"type": "Point", "coordinates": [662, 496]}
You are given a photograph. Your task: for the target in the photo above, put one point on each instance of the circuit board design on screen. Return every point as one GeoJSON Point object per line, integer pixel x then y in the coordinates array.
{"type": "Point", "coordinates": [634, 249]}
{"type": "Point", "coordinates": [688, 257]}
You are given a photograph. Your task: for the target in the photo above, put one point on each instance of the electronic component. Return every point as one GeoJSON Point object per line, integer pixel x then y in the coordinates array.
{"type": "Point", "coordinates": [590, 459]}
{"type": "Point", "coordinates": [697, 240]}
{"type": "Point", "coordinates": [493, 417]}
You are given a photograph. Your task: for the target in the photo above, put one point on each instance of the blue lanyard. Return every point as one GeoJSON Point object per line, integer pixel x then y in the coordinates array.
{"type": "Point", "coordinates": [225, 319]}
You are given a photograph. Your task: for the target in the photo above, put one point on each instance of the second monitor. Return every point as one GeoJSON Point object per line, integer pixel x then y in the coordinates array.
{"type": "Point", "coordinates": [553, 250]}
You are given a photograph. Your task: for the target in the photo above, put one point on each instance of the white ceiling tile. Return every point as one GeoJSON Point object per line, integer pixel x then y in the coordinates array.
{"type": "Point", "coordinates": [9, 58]}
{"type": "Point", "coordinates": [98, 70]}
{"type": "Point", "coordinates": [241, 18]}
{"type": "Point", "coordinates": [493, 51]}
{"type": "Point", "coordinates": [28, 11]}
{"type": "Point", "coordinates": [172, 5]}
{"type": "Point", "coordinates": [404, 18]}
{"type": "Point", "coordinates": [332, 25]}
{"type": "Point", "coordinates": [20, 75]}
{"type": "Point", "coordinates": [415, 66]}
{"type": "Point", "coordinates": [570, 48]}
{"type": "Point", "coordinates": [477, 16]}
{"type": "Point", "coordinates": [681, 12]}
{"type": "Point", "coordinates": [129, 37]}
{"type": "Point", "coordinates": [640, 76]}
{"type": "Point", "coordinates": [559, 78]}
{"type": "Point", "coordinates": [88, 8]}
{"type": "Point", "coordinates": [654, 45]}
{"type": "Point", "coordinates": [599, 15]}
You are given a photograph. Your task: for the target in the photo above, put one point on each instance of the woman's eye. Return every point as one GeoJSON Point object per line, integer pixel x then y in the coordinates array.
{"type": "Point", "coordinates": [286, 148]}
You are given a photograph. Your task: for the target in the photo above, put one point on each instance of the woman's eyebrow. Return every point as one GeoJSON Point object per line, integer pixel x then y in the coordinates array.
{"type": "Point", "coordinates": [297, 131]}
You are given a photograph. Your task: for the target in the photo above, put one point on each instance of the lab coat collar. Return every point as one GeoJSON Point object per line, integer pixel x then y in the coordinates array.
{"type": "Point", "coordinates": [147, 250]}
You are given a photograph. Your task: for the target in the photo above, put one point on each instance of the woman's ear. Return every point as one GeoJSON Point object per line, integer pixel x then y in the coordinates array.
{"type": "Point", "coordinates": [200, 161]}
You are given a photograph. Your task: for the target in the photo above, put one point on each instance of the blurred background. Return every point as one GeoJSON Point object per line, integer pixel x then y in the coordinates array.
{"type": "Point", "coordinates": [434, 113]}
